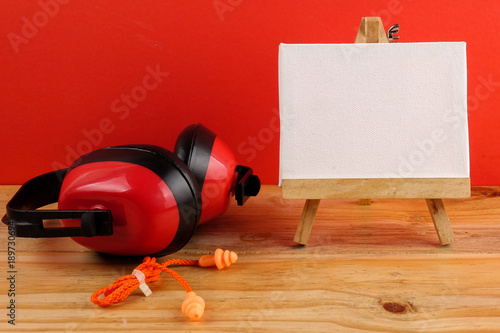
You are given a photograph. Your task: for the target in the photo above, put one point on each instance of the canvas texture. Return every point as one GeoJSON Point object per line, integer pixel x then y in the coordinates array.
{"type": "Point", "coordinates": [395, 110]}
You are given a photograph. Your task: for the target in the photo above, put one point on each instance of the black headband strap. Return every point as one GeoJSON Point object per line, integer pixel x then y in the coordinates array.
{"type": "Point", "coordinates": [22, 211]}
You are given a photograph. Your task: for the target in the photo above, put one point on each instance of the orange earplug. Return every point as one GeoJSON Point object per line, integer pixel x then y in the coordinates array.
{"type": "Point", "coordinates": [193, 306]}
{"type": "Point", "coordinates": [220, 259]}
{"type": "Point", "coordinates": [149, 271]}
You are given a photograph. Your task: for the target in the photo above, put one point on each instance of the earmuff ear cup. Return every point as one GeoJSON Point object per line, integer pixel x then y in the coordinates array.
{"type": "Point", "coordinates": [153, 196]}
{"type": "Point", "coordinates": [213, 164]}
{"type": "Point", "coordinates": [194, 147]}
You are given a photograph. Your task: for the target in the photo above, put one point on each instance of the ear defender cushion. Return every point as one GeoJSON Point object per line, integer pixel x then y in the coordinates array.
{"type": "Point", "coordinates": [170, 169]}
{"type": "Point", "coordinates": [194, 147]}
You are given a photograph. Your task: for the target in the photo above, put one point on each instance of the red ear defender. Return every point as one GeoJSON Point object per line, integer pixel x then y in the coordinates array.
{"type": "Point", "coordinates": [153, 196]}
{"type": "Point", "coordinates": [135, 200]}
{"type": "Point", "coordinates": [214, 166]}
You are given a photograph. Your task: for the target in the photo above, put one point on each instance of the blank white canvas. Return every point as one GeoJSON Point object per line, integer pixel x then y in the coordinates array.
{"type": "Point", "coordinates": [394, 110]}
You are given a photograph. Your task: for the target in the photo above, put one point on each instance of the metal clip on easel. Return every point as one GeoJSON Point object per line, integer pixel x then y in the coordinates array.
{"type": "Point", "coordinates": [390, 33]}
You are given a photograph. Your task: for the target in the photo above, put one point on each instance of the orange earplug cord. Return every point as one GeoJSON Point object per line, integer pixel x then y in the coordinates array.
{"type": "Point", "coordinates": [193, 306]}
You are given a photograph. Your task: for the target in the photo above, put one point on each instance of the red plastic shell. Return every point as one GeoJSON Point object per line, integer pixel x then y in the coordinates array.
{"type": "Point", "coordinates": [145, 213]}
{"type": "Point", "coordinates": [219, 183]}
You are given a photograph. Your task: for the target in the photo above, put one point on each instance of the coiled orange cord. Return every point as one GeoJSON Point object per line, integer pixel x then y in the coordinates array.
{"type": "Point", "coordinates": [193, 306]}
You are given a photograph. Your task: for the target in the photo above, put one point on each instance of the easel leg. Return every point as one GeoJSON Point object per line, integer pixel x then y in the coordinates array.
{"type": "Point", "coordinates": [365, 202]}
{"type": "Point", "coordinates": [306, 221]}
{"type": "Point", "coordinates": [441, 221]}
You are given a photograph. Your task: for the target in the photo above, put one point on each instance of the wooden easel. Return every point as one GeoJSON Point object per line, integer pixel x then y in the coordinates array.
{"type": "Point", "coordinates": [371, 30]}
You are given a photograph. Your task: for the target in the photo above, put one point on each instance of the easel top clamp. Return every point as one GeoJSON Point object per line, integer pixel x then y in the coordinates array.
{"type": "Point", "coordinates": [371, 30]}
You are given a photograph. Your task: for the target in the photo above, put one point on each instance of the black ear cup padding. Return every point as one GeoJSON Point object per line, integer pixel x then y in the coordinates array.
{"type": "Point", "coordinates": [194, 148]}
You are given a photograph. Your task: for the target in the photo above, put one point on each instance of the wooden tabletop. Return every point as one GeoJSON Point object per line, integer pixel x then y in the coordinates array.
{"type": "Point", "coordinates": [375, 268]}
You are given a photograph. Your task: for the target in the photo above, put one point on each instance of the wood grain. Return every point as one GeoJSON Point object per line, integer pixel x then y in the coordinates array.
{"type": "Point", "coordinates": [441, 221]}
{"type": "Point", "coordinates": [371, 30]}
{"type": "Point", "coordinates": [381, 188]}
{"type": "Point", "coordinates": [306, 221]}
{"type": "Point", "coordinates": [375, 268]}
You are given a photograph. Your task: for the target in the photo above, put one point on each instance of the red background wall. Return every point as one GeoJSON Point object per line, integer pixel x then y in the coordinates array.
{"type": "Point", "coordinates": [68, 66]}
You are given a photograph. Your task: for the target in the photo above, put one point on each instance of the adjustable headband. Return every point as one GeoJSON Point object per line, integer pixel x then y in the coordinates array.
{"type": "Point", "coordinates": [22, 211]}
